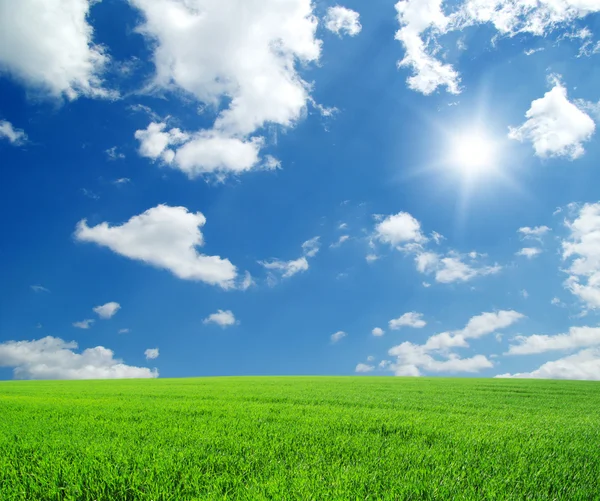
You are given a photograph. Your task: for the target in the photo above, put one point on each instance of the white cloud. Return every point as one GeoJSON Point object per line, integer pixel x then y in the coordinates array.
{"type": "Point", "coordinates": [343, 226]}
{"type": "Point", "coordinates": [427, 261]}
{"type": "Point", "coordinates": [529, 52]}
{"type": "Point", "coordinates": [340, 19]}
{"type": "Point", "coordinates": [287, 268]}
{"type": "Point", "coordinates": [340, 241]}
{"type": "Point", "coordinates": [404, 232]}
{"type": "Point", "coordinates": [537, 18]}
{"type": "Point", "coordinates": [583, 249]}
{"type": "Point", "coordinates": [422, 22]}
{"type": "Point", "coordinates": [60, 61]}
{"type": "Point", "coordinates": [399, 229]}
{"type": "Point", "coordinates": [437, 237]}
{"type": "Point", "coordinates": [113, 154]}
{"type": "Point", "coordinates": [247, 282]}
{"type": "Point", "coordinates": [534, 233]}
{"type": "Point", "coordinates": [453, 269]}
{"type": "Point", "coordinates": [124, 331]}
{"type": "Point", "coordinates": [122, 180]}
{"type": "Point", "coordinates": [241, 52]}
{"type": "Point", "coordinates": [555, 126]}
{"type": "Point", "coordinates": [378, 331]}
{"type": "Point", "coordinates": [107, 310]}
{"type": "Point", "coordinates": [311, 247]}
{"type": "Point", "coordinates": [412, 358]}
{"type": "Point", "coordinates": [53, 358]}
{"type": "Point", "coordinates": [39, 288]}
{"type": "Point", "coordinates": [445, 340]}
{"type": "Point", "coordinates": [364, 368]}
{"type": "Point", "coordinates": [221, 318]}
{"type": "Point", "coordinates": [490, 322]}
{"type": "Point", "coordinates": [417, 17]}
{"type": "Point", "coordinates": [338, 336]}
{"type": "Point", "coordinates": [370, 358]}
{"type": "Point", "coordinates": [205, 152]}
{"type": "Point", "coordinates": [583, 365]}
{"type": "Point", "coordinates": [524, 293]}
{"type": "Point", "coordinates": [410, 319]}
{"type": "Point", "coordinates": [165, 237]}
{"type": "Point", "coordinates": [529, 252]}
{"type": "Point", "coordinates": [154, 141]}
{"type": "Point", "coordinates": [212, 152]}
{"type": "Point", "coordinates": [84, 324]}
{"type": "Point", "coordinates": [151, 353]}
{"type": "Point", "coordinates": [7, 131]}
{"type": "Point", "coordinates": [371, 258]}
{"type": "Point", "coordinates": [577, 337]}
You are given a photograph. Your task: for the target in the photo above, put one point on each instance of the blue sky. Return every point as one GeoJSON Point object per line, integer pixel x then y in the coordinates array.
{"type": "Point", "coordinates": [200, 188]}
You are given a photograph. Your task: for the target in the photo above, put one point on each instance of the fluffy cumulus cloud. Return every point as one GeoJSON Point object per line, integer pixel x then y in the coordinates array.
{"type": "Point", "coordinates": [423, 22]}
{"type": "Point", "coordinates": [107, 310]}
{"type": "Point", "coordinates": [581, 249]}
{"type": "Point", "coordinates": [338, 336]}
{"type": "Point", "coordinates": [10, 133]}
{"type": "Point", "coordinates": [223, 318]}
{"type": "Point", "coordinates": [242, 52]}
{"type": "Point", "coordinates": [489, 322]}
{"type": "Point", "coordinates": [436, 354]}
{"type": "Point", "coordinates": [582, 365]}
{"type": "Point", "coordinates": [410, 319]}
{"type": "Point", "coordinates": [166, 237]}
{"type": "Point", "coordinates": [417, 18]}
{"type": "Point", "coordinates": [577, 337]}
{"type": "Point", "coordinates": [53, 358]}
{"type": "Point", "coordinates": [341, 20]}
{"type": "Point", "coordinates": [364, 368]}
{"type": "Point", "coordinates": [206, 152]}
{"type": "Point", "coordinates": [399, 229]}
{"type": "Point", "coordinates": [555, 126]}
{"type": "Point", "coordinates": [403, 231]}
{"type": "Point", "coordinates": [377, 332]}
{"type": "Point", "coordinates": [61, 62]}
{"type": "Point", "coordinates": [155, 141]}
{"type": "Point", "coordinates": [151, 353]}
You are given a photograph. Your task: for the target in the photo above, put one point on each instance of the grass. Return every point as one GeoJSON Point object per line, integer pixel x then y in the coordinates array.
{"type": "Point", "coordinates": [305, 438]}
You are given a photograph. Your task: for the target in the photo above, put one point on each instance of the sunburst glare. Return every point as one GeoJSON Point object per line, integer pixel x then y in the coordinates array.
{"type": "Point", "coordinates": [473, 153]}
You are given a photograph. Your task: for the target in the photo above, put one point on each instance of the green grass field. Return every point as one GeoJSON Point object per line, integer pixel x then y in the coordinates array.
{"type": "Point", "coordinates": [306, 438]}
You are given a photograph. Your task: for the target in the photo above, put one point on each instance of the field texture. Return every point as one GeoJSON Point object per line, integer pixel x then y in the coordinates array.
{"type": "Point", "coordinates": [300, 438]}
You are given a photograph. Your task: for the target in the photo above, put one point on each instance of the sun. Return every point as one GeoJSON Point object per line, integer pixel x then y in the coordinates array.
{"type": "Point", "coordinates": [473, 153]}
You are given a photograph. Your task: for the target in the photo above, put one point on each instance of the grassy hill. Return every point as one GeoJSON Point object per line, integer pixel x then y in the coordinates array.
{"type": "Point", "coordinates": [305, 438]}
